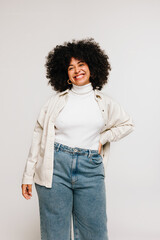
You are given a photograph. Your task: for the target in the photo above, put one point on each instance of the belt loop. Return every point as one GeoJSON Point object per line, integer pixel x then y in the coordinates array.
{"type": "Point", "coordinates": [90, 153]}
{"type": "Point", "coordinates": [58, 146]}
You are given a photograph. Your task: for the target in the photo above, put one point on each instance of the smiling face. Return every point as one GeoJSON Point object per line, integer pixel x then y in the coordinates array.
{"type": "Point", "coordinates": [78, 72]}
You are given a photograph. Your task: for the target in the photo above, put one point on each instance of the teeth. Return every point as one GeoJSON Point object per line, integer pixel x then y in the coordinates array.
{"type": "Point", "coordinates": [80, 76]}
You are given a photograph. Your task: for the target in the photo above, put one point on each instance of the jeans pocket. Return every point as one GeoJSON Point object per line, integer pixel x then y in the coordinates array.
{"type": "Point", "coordinates": [96, 158]}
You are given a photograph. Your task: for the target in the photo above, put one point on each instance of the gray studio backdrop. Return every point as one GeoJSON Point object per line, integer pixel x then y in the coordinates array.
{"type": "Point", "coordinates": [129, 31]}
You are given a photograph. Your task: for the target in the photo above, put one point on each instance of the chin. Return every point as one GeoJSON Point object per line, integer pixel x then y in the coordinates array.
{"type": "Point", "coordinates": [80, 82]}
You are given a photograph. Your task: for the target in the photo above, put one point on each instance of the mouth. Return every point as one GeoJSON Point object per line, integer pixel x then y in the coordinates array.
{"type": "Point", "coordinates": [79, 76]}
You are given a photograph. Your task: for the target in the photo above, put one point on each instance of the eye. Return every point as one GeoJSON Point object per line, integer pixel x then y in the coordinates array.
{"type": "Point", "coordinates": [81, 64]}
{"type": "Point", "coordinates": [69, 68]}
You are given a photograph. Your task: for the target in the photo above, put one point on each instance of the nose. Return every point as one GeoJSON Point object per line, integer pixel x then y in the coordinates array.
{"type": "Point", "coordinates": [76, 69]}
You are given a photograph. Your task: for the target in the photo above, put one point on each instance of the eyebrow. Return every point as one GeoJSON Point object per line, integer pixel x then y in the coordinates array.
{"type": "Point", "coordinates": [78, 62]}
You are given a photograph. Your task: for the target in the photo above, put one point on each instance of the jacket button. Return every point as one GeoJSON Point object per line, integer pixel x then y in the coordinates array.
{"type": "Point", "coordinates": [103, 110]}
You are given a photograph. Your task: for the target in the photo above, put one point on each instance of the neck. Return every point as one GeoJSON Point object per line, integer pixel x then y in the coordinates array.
{"type": "Point", "coordinates": [82, 89]}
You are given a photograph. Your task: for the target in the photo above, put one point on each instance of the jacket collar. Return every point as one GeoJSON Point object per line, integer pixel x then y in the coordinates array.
{"type": "Point", "coordinates": [97, 92]}
{"type": "Point", "coordinates": [64, 92]}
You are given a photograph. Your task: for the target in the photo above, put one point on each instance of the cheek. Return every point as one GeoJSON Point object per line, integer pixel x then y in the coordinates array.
{"type": "Point", "coordinates": [86, 69]}
{"type": "Point", "coordinates": [88, 72]}
{"type": "Point", "coordinates": [69, 74]}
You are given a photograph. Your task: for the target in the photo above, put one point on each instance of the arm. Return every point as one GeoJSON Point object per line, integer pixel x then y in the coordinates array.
{"type": "Point", "coordinates": [33, 154]}
{"type": "Point", "coordinates": [119, 124]}
{"type": "Point", "coordinates": [35, 147]}
{"type": "Point", "coordinates": [31, 161]}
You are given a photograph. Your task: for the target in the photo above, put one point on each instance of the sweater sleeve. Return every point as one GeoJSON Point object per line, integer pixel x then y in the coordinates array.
{"type": "Point", "coordinates": [119, 124]}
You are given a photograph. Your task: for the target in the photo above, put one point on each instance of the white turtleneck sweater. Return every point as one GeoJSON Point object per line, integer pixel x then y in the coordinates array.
{"type": "Point", "coordinates": [80, 122]}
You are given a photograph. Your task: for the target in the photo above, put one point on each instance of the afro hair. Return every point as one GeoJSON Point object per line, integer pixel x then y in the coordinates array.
{"type": "Point", "coordinates": [86, 50]}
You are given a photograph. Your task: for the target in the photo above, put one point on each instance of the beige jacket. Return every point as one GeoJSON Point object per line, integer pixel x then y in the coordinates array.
{"type": "Point", "coordinates": [40, 162]}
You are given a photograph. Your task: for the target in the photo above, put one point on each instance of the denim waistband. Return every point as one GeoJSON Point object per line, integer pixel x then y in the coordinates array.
{"type": "Point", "coordinates": [60, 146]}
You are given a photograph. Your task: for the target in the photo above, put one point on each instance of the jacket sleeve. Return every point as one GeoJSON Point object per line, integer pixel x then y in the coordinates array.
{"type": "Point", "coordinates": [35, 147]}
{"type": "Point", "coordinates": [119, 123]}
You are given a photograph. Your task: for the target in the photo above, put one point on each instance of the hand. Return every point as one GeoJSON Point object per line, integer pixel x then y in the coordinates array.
{"type": "Point", "coordinates": [99, 148]}
{"type": "Point", "coordinates": [27, 191]}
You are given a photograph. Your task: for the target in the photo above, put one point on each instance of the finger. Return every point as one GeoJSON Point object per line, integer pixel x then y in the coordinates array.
{"type": "Point", "coordinates": [24, 186]}
{"type": "Point", "coordinates": [25, 191]}
{"type": "Point", "coordinates": [30, 189]}
{"type": "Point", "coordinates": [100, 146]}
{"type": "Point", "coordinates": [99, 149]}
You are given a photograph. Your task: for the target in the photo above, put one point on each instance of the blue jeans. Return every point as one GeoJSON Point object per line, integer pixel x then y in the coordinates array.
{"type": "Point", "coordinates": [78, 188]}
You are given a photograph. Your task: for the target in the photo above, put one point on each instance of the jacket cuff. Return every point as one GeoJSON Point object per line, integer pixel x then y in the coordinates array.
{"type": "Point", "coordinates": [116, 133]}
{"type": "Point", "coordinates": [104, 138]}
{"type": "Point", "coordinates": [27, 180]}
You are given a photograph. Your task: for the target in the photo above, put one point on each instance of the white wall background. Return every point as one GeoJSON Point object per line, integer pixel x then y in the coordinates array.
{"type": "Point", "coordinates": [129, 31]}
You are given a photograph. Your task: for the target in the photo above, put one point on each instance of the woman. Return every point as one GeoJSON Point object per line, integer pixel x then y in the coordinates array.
{"type": "Point", "coordinates": [71, 141]}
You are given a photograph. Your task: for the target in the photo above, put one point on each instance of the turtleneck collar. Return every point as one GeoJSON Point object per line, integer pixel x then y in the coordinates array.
{"type": "Point", "coordinates": [82, 89]}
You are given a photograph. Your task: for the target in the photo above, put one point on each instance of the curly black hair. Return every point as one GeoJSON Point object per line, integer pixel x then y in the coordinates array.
{"type": "Point", "coordinates": [87, 50]}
